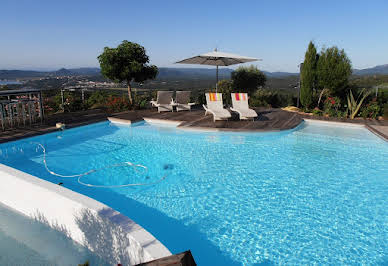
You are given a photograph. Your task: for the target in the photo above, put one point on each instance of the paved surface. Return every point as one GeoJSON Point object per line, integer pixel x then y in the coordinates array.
{"type": "Point", "coordinates": [382, 131]}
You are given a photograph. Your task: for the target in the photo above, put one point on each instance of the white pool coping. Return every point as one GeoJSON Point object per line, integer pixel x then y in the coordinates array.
{"type": "Point", "coordinates": [61, 206]}
{"type": "Point", "coordinates": [119, 121]}
{"type": "Point", "coordinates": [333, 123]}
{"type": "Point", "coordinates": [162, 121]}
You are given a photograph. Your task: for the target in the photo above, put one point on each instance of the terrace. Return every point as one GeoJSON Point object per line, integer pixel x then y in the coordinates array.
{"type": "Point", "coordinates": [269, 119]}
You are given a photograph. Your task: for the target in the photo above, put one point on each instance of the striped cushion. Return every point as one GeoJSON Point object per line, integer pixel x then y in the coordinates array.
{"type": "Point", "coordinates": [213, 97]}
{"type": "Point", "coordinates": [240, 96]}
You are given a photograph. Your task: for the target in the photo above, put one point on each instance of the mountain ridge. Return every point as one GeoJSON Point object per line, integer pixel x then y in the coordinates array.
{"type": "Point", "coordinates": [168, 73]}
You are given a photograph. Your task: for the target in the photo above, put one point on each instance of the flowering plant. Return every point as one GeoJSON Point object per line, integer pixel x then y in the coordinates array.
{"type": "Point", "coordinates": [332, 105]}
{"type": "Point", "coordinates": [371, 110]}
{"type": "Point", "coordinates": [117, 104]}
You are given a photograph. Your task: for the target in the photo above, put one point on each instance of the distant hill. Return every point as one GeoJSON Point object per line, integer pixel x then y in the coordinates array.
{"type": "Point", "coordinates": [164, 73]}
{"type": "Point", "coordinates": [18, 74]}
{"type": "Point", "coordinates": [86, 71]}
{"type": "Point", "coordinates": [167, 73]}
{"type": "Point", "coordinates": [377, 70]}
{"type": "Point", "coordinates": [193, 73]}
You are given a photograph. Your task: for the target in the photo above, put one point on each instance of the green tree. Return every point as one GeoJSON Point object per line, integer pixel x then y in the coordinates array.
{"type": "Point", "coordinates": [247, 79]}
{"type": "Point", "coordinates": [308, 75]}
{"type": "Point", "coordinates": [334, 69]}
{"type": "Point", "coordinates": [126, 63]}
{"type": "Point", "coordinates": [225, 87]}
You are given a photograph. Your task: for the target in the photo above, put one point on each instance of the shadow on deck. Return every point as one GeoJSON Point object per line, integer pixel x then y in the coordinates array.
{"type": "Point", "coordinates": [267, 120]}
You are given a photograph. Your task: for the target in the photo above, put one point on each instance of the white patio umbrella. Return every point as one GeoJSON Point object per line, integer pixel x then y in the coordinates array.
{"type": "Point", "coordinates": [216, 58]}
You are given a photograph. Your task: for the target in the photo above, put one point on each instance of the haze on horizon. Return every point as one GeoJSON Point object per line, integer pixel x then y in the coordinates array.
{"type": "Point", "coordinates": [48, 35]}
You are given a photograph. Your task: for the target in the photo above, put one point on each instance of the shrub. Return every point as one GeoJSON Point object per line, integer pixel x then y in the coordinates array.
{"type": "Point", "coordinates": [117, 104]}
{"type": "Point", "coordinates": [371, 110]}
{"type": "Point", "coordinates": [385, 113]}
{"type": "Point", "coordinates": [331, 106]}
{"type": "Point", "coordinates": [141, 101]}
{"type": "Point", "coordinates": [97, 99]}
{"type": "Point", "coordinates": [264, 97]}
{"type": "Point", "coordinates": [225, 87]}
{"type": "Point", "coordinates": [317, 112]}
{"type": "Point", "coordinates": [341, 114]}
{"type": "Point", "coordinates": [247, 79]}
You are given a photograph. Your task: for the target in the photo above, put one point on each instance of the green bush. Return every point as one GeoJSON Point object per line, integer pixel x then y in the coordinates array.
{"type": "Point", "coordinates": [270, 98]}
{"type": "Point", "coordinates": [97, 99]}
{"type": "Point", "coordinates": [117, 104]}
{"type": "Point", "coordinates": [371, 110]}
{"type": "Point", "coordinates": [385, 113]}
{"type": "Point", "coordinates": [341, 114]}
{"type": "Point", "coordinates": [141, 101]}
{"type": "Point", "coordinates": [332, 106]}
{"type": "Point", "coordinates": [317, 112]}
{"type": "Point", "coordinates": [225, 87]}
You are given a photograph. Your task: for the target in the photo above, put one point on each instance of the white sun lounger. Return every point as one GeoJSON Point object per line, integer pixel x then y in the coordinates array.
{"type": "Point", "coordinates": [182, 101]}
{"type": "Point", "coordinates": [164, 101]}
{"type": "Point", "coordinates": [215, 106]}
{"type": "Point", "coordinates": [240, 105]}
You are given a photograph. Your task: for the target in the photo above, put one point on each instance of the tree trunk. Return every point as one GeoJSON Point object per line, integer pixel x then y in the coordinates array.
{"type": "Point", "coordinates": [320, 96]}
{"type": "Point", "coordinates": [129, 93]}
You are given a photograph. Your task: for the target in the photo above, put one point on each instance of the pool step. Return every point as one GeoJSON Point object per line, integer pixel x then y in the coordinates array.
{"type": "Point", "coordinates": [183, 259]}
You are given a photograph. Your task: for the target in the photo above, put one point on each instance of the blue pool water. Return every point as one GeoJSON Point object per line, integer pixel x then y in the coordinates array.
{"type": "Point", "coordinates": [314, 195]}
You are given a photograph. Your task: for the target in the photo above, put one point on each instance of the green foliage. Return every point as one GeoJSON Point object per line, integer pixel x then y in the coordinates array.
{"type": "Point", "coordinates": [317, 112]}
{"type": "Point", "coordinates": [354, 105]}
{"type": "Point", "coordinates": [97, 99]}
{"type": "Point", "coordinates": [117, 104]}
{"type": "Point", "coordinates": [126, 63]}
{"type": "Point", "coordinates": [308, 75]}
{"type": "Point", "coordinates": [332, 106]}
{"type": "Point", "coordinates": [247, 79]}
{"type": "Point", "coordinates": [225, 87]}
{"type": "Point", "coordinates": [385, 112]}
{"type": "Point", "coordinates": [334, 69]}
{"type": "Point", "coordinates": [371, 110]}
{"type": "Point", "coordinates": [270, 98]}
{"type": "Point", "coordinates": [142, 101]}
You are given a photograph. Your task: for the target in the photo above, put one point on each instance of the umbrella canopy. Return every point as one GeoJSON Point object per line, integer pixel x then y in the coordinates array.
{"type": "Point", "coordinates": [216, 58]}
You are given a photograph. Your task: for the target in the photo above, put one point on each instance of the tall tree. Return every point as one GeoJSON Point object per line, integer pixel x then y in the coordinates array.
{"type": "Point", "coordinates": [128, 62]}
{"type": "Point", "coordinates": [334, 69]}
{"type": "Point", "coordinates": [308, 75]}
{"type": "Point", "coordinates": [247, 79]}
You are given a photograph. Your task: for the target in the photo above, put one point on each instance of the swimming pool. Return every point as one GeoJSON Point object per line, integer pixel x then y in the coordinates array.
{"type": "Point", "coordinates": [316, 194]}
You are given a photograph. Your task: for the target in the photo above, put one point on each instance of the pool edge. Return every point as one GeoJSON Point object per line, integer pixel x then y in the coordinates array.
{"type": "Point", "coordinates": [12, 196]}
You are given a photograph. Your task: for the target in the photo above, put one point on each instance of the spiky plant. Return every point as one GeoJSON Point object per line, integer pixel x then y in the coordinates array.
{"type": "Point", "coordinates": [354, 105]}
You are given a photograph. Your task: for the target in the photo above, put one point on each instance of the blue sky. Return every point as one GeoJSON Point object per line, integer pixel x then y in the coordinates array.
{"type": "Point", "coordinates": [52, 34]}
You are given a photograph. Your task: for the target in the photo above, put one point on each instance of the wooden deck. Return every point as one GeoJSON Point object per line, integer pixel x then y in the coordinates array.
{"type": "Point", "coordinates": [268, 120]}
{"type": "Point", "coordinates": [70, 119]}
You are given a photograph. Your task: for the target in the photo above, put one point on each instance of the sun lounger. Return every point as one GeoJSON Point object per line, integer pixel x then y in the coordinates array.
{"type": "Point", "coordinates": [215, 106]}
{"type": "Point", "coordinates": [163, 101]}
{"type": "Point", "coordinates": [240, 105]}
{"type": "Point", "coordinates": [182, 101]}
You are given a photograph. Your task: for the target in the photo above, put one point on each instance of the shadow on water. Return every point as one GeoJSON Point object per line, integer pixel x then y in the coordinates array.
{"type": "Point", "coordinates": [176, 236]}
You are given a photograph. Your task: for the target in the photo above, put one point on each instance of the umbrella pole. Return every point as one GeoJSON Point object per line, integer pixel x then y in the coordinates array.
{"type": "Point", "coordinates": [216, 78]}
